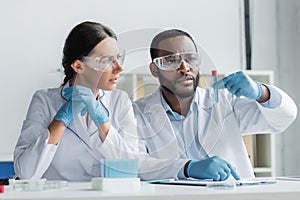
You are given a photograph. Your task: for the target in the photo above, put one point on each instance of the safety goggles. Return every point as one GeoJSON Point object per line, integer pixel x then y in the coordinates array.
{"type": "Point", "coordinates": [173, 61]}
{"type": "Point", "coordinates": [104, 63]}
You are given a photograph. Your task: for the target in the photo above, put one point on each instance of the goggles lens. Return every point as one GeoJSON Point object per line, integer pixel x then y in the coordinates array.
{"type": "Point", "coordinates": [104, 63]}
{"type": "Point", "coordinates": [173, 61]}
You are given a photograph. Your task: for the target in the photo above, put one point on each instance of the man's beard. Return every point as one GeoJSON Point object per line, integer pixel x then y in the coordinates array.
{"type": "Point", "coordinates": [184, 95]}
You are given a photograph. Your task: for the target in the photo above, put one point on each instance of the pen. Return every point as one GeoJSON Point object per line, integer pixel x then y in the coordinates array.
{"type": "Point", "coordinates": [255, 182]}
{"type": "Point", "coordinates": [160, 181]}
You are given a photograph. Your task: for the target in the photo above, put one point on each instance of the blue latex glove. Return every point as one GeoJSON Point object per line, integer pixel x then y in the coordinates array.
{"type": "Point", "coordinates": [240, 84]}
{"type": "Point", "coordinates": [67, 112]}
{"type": "Point", "coordinates": [211, 168]}
{"type": "Point", "coordinates": [96, 109]}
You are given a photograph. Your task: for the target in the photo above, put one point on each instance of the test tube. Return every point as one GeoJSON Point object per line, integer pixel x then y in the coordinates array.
{"type": "Point", "coordinates": [214, 74]}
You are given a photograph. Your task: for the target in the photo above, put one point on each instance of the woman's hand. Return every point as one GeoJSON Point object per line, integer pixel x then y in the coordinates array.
{"type": "Point", "coordinates": [96, 109]}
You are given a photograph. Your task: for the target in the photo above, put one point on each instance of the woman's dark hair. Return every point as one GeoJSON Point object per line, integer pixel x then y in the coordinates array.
{"type": "Point", "coordinates": [80, 42]}
{"type": "Point", "coordinates": [166, 35]}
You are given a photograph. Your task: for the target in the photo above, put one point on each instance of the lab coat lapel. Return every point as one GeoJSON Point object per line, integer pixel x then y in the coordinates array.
{"type": "Point", "coordinates": [209, 121]}
{"type": "Point", "coordinates": [230, 147]}
{"type": "Point", "coordinates": [92, 129]}
{"type": "Point", "coordinates": [164, 137]}
{"type": "Point", "coordinates": [219, 135]}
{"type": "Point", "coordinates": [78, 128]}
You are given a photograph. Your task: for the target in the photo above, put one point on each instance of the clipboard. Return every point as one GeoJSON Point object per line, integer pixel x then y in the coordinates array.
{"type": "Point", "coordinates": [209, 182]}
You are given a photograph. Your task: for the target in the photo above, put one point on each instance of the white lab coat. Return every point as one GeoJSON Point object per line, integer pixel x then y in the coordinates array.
{"type": "Point", "coordinates": [77, 155]}
{"type": "Point", "coordinates": [220, 125]}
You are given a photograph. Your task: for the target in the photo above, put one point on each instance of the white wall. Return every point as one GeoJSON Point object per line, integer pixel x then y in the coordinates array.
{"type": "Point", "coordinates": [276, 46]}
{"type": "Point", "coordinates": [33, 32]}
{"type": "Point", "coordinates": [289, 71]}
{"type": "Point", "coordinates": [264, 34]}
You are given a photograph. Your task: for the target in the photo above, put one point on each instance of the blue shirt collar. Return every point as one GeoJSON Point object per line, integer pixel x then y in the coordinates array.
{"type": "Point", "coordinates": [174, 116]}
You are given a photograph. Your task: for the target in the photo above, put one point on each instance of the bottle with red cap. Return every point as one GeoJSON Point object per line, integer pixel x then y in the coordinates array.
{"type": "Point", "coordinates": [1, 188]}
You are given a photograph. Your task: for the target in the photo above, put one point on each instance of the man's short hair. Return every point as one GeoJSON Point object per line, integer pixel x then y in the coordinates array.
{"type": "Point", "coordinates": [166, 35]}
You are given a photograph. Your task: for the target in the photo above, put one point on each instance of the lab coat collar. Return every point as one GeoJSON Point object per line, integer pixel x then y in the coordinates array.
{"type": "Point", "coordinates": [62, 90]}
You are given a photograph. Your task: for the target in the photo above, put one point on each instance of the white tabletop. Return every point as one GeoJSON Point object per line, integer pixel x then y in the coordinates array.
{"type": "Point", "coordinates": [6, 157]}
{"type": "Point", "coordinates": [282, 190]}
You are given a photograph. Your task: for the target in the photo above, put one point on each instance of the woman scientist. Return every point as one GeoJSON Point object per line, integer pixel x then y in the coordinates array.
{"type": "Point", "coordinates": [70, 128]}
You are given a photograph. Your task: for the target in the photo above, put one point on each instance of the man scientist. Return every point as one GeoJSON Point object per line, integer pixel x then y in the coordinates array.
{"type": "Point", "coordinates": [181, 121]}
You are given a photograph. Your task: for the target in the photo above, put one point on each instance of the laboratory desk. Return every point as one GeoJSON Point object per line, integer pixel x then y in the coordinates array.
{"type": "Point", "coordinates": [282, 190]}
